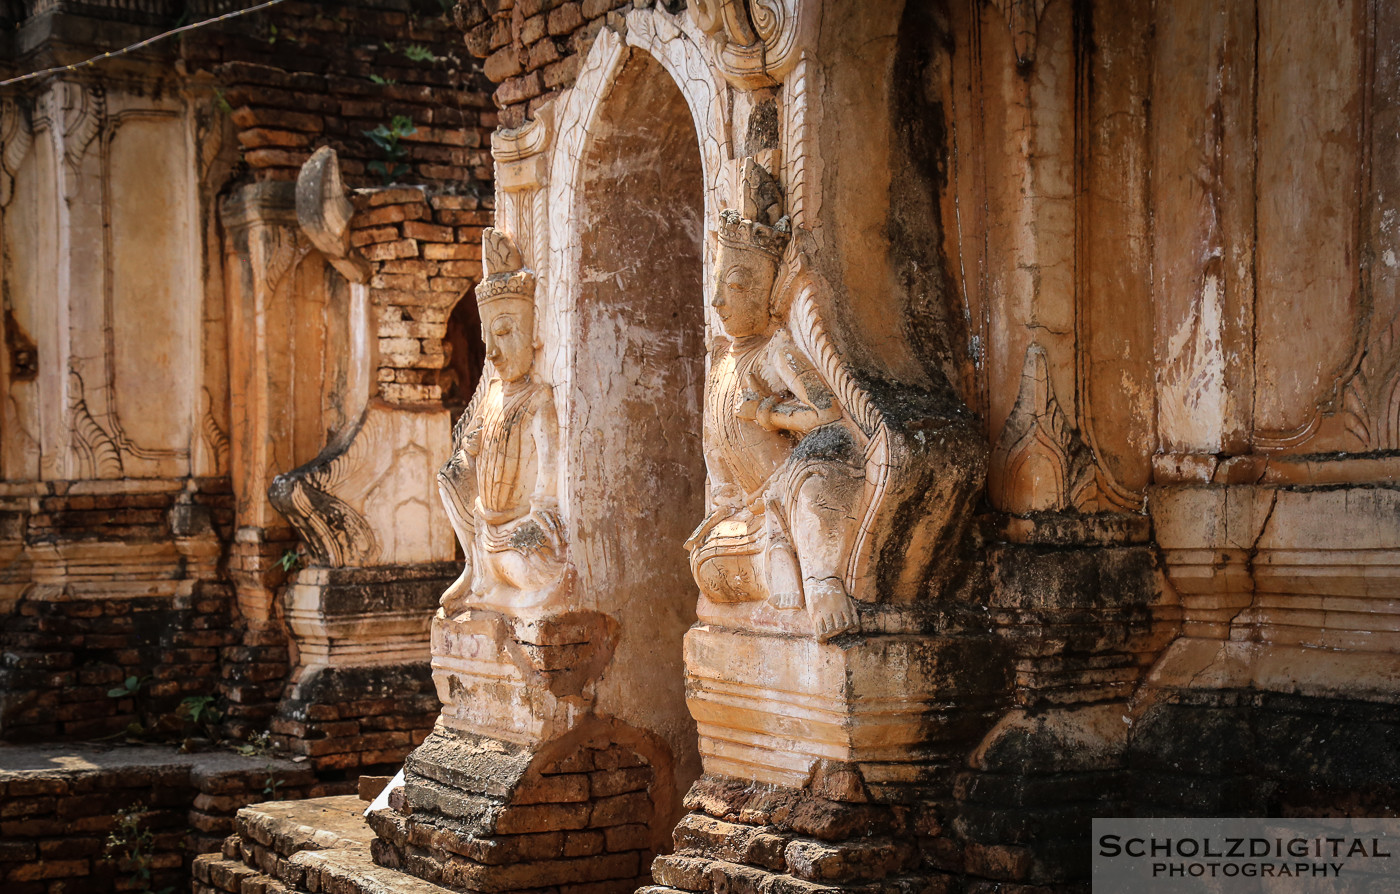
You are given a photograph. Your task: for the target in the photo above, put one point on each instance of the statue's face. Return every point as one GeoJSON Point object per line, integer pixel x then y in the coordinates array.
{"type": "Point", "coordinates": [743, 282]}
{"type": "Point", "coordinates": [508, 328]}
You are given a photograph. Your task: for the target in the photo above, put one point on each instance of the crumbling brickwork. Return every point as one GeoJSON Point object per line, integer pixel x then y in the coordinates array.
{"type": "Point", "coordinates": [76, 828]}
{"type": "Point", "coordinates": [533, 48]}
{"type": "Point", "coordinates": [125, 584]}
{"type": "Point", "coordinates": [426, 251]}
{"type": "Point", "coordinates": [578, 823]}
{"type": "Point", "coordinates": [306, 75]}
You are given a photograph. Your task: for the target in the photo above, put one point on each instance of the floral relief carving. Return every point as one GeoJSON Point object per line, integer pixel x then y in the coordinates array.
{"type": "Point", "coordinates": [1039, 463]}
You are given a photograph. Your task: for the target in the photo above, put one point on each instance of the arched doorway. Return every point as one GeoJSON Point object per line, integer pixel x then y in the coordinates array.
{"type": "Point", "coordinates": [636, 467]}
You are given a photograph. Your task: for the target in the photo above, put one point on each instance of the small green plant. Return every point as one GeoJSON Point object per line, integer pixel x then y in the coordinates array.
{"type": "Point", "coordinates": [273, 784]}
{"type": "Point", "coordinates": [257, 744]}
{"type": "Point", "coordinates": [288, 561]}
{"type": "Point", "coordinates": [203, 712]}
{"type": "Point", "coordinates": [383, 82]}
{"type": "Point", "coordinates": [418, 53]}
{"type": "Point", "coordinates": [271, 33]}
{"type": "Point", "coordinates": [221, 102]}
{"type": "Point", "coordinates": [133, 845]}
{"type": "Point", "coordinates": [130, 688]}
{"type": "Point", "coordinates": [200, 708]}
{"type": "Point", "coordinates": [387, 139]}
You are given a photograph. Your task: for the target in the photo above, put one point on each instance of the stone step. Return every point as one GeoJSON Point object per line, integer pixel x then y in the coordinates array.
{"type": "Point", "coordinates": [353, 871]}
{"type": "Point", "coordinates": [314, 824]}
{"type": "Point", "coordinates": [215, 874]}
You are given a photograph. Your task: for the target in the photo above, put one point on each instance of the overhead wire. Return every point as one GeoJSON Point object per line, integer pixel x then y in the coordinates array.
{"type": "Point", "coordinates": [59, 69]}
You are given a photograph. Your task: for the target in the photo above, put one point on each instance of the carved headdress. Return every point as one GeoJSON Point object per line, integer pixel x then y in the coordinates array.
{"type": "Point", "coordinates": [760, 225]}
{"type": "Point", "coordinates": [504, 272]}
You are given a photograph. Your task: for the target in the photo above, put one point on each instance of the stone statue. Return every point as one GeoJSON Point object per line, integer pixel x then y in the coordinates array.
{"type": "Point", "coordinates": [499, 484]}
{"type": "Point", "coordinates": [785, 467]}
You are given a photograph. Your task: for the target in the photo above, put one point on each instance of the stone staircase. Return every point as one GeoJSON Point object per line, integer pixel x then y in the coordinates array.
{"type": "Point", "coordinates": [312, 846]}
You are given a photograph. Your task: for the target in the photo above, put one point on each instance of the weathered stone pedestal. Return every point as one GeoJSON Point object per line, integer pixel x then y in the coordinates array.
{"type": "Point", "coordinates": [828, 764]}
{"type": "Point", "coordinates": [361, 694]}
{"type": "Point", "coordinates": [522, 786]}
{"type": "Point", "coordinates": [1078, 609]}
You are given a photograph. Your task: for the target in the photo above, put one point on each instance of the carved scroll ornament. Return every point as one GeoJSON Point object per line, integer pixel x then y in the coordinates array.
{"type": "Point", "coordinates": [324, 214]}
{"type": "Point", "coordinates": [755, 41]}
{"type": "Point", "coordinates": [15, 140]}
{"type": "Point", "coordinates": [498, 486]}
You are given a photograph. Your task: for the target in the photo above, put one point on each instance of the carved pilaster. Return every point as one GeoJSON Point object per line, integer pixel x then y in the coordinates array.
{"type": "Point", "coordinates": [522, 175]}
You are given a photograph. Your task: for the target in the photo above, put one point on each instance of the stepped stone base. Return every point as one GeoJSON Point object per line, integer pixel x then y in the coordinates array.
{"type": "Point", "coordinates": [741, 837]}
{"type": "Point", "coordinates": [313, 846]}
{"type": "Point", "coordinates": [477, 814]}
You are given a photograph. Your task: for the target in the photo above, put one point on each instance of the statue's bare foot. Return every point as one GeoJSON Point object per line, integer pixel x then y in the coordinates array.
{"type": "Point", "coordinates": [831, 609]}
{"type": "Point", "coordinates": [784, 580]}
{"type": "Point", "coordinates": [454, 598]}
{"type": "Point", "coordinates": [786, 600]}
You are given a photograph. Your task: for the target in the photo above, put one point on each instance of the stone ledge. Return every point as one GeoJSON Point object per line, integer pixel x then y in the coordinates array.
{"type": "Point", "coordinates": [351, 871]}
{"type": "Point", "coordinates": [289, 827]}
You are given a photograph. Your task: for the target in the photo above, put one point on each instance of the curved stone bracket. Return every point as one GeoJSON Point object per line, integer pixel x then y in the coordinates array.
{"type": "Point", "coordinates": [324, 214]}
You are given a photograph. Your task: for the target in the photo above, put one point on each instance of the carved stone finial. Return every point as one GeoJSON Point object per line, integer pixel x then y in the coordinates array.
{"type": "Point", "coordinates": [761, 224]}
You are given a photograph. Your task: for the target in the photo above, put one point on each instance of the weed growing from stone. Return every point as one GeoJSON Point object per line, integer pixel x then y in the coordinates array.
{"type": "Point", "coordinates": [133, 845]}
{"type": "Point", "coordinates": [387, 139]}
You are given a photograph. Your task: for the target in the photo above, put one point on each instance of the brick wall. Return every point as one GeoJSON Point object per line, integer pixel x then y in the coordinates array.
{"type": "Point", "coordinates": [426, 250]}
{"type": "Point", "coordinates": [579, 825]}
{"type": "Point", "coordinates": [123, 584]}
{"type": "Point", "coordinates": [533, 48]}
{"type": "Point", "coordinates": [55, 824]}
{"type": "Point", "coordinates": [305, 75]}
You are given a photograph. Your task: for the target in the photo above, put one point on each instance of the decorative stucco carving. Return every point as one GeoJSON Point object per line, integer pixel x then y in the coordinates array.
{"type": "Point", "coordinates": [215, 438]}
{"type": "Point", "coordinates": [1039, 463]}
{"type": "Point", "coordinates": [15, 139]}
{"type": "Point", "coordinates": [755, 41]}
{"type": "Point", "coordinates": [802, 163]}
{"type": "Point", "coordinates": [96, 451]}
{"type": "Point", "coordinates": [336, 533]}
{"type": "Point", "coordinates": [498, 486]}
{"type": "Point", "coordinates": [79, 112]}
{"type": "Point", "coordinates": [521, 177]}
{"type": "Point", "coordinates": [806, 470]}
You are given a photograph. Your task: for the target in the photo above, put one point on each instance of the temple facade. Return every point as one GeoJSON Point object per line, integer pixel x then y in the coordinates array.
{"type": "Point", "coordinates": [900, 433]}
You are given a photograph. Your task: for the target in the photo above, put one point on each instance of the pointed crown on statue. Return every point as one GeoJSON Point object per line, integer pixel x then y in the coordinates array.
{"type": "Point", "coordinates": [504, 272]}
{"type": "Point", "coordinates": [760, 225]}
